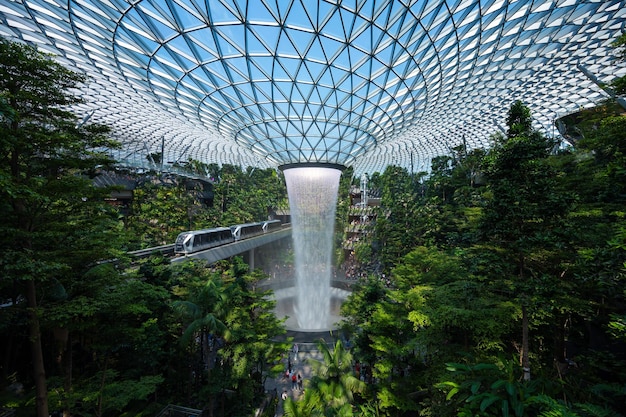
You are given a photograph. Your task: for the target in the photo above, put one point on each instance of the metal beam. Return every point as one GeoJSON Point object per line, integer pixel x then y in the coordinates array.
{"type": "Point", "coordinates": [608, 91]}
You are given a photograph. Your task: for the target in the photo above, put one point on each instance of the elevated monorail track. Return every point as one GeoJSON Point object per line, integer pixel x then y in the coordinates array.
{"type": "Point", "coordinates": [165, 250]}
{"type": "Point", "coordinates": [228, 250]}
{"type": "Point", "coordinates": [221, 251]}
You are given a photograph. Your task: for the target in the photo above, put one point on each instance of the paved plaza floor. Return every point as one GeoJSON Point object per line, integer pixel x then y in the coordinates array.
{"type": "Point", "coordinates": [300, 364]}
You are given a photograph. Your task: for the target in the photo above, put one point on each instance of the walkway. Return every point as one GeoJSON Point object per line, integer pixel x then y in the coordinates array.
{"type": "Point", "coordinates": [282, 384]}
{"type": "Point", "coordinates": [299, 364]}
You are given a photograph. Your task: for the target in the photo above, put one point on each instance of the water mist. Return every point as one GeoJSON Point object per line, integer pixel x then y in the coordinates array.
{"type": "Point", "coordinates": [312, 194]}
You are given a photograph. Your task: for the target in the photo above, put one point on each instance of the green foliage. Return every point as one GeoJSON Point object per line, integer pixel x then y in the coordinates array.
{"type": "Point", "coordinates": [363, 253]}
{"type": "Point", "coordinates": [448, 306]}
{"type": "Point", "coordinates": [220, 315]}
{"type": "Point", "coordinates": [332, 389]}
{"type": "Point", "coordinates": [357, 311]}
{"type": "Point", "coordinates": [248, 196]}
{"type": "Point", "coordinates": [617, 326]}
{"type": "Point", "coordinates": [53, 217]}
{"type": "Point", "coordinates": [397, 216]}
{"type": "Point", "coordinates": [493, 389]}
{"type": "Point", "coordinates": [93, 398]}
{"type": "Point", "coordinates": [109, 336]}
{"type": "Point", "coordinates": [205, 300]}
{"type": "Point", "coordinates": [519, 120]}
{"type": "Point", "coordinates": [160, 211]}
{"type": "Point", "coordinates": [512, 251]}
{"type": "Point", "coordinates": [608, 142]}
{"type": "Point", "coordinates": [488, 241]}
{"type": "Point", "coordinates": [160, 214]}
{"type": "Point", "coordinates": [619, 84]}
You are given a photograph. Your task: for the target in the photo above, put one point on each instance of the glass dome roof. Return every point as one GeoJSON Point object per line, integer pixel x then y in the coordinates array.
{"type": "Point", "coordinates": [362, 83]}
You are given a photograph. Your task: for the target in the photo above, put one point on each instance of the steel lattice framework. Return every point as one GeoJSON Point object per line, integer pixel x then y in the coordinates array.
{"type": "Point", "coordinates": [362, 83]}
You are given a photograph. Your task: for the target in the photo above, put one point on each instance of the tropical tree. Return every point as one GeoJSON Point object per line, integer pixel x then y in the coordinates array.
{"type": "Point", "coordinates": [451, 200]}
{"type": "Point", "coordinates": [357, 311]}
{"type": "Point", "coordinates": [252, 351]}
{"type": "Point", "coordinates": [451, 309]}
{"type": "Point", "coordinates": [605, 142]}
{"type": "Point", "coordinates": [331, 390]}
{"type": "Point", "coordinates": [160, 212]}
{"type": "Point", "coordinates": [528, 236]}
{"type": "Point", "coordinates": [203, 300]}
{"type": "Point", "coordinates": [228, 330]}
{"type": "Point", "coordinates": [619, 84]}
{"type": "Point", "coordinates": [440, 179]}
{"type": "Point", "coordinates": [44, 149]}
{"type": "Point", "coordinates": [396, 218]}
{"type": "Point", "coordinates": [494, 389]}
{"type": "Point", "coordinates": [120, 370]}
{"type": "Point", "coordinates": [526, 211]}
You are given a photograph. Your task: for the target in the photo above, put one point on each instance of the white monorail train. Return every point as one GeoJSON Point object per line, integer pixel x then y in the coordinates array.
{"type": "Point", "coordinates": [198, 240]}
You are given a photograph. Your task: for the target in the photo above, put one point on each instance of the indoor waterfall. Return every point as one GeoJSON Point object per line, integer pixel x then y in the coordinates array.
{"type": "Point", "coordinates": [312, 194]}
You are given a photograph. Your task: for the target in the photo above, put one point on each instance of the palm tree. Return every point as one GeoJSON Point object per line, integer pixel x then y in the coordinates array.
{"type": "Point", "coordinates": [330, 392]}
{"type": "Point", "coordinates": [201, 312]}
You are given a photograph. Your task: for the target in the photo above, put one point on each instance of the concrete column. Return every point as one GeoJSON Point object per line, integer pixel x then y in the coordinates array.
{"type": "Point", "coordinates": [251, 259]}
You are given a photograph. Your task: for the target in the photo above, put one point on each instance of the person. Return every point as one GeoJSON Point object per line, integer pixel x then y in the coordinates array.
{"type": "Point", "coordinates": [294, 382]}
{"type": "Point", "coordinates": [299, 382]}
{"type": "Point", "coordinates": [284, 395]}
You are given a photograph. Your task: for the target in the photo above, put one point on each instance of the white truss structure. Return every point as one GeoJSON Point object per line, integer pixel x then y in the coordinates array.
{"type": "Point", "coordinates": [362, 83]}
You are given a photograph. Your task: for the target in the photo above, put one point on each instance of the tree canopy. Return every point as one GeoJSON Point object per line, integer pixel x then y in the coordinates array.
{"type": "Point", "coordinates": [513, 263]}
{"type": "Point", "coordinates": [497, 262]}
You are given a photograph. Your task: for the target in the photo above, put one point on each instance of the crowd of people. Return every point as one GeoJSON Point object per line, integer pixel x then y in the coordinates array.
{"type": "Point", "coordinates": [292, 376]}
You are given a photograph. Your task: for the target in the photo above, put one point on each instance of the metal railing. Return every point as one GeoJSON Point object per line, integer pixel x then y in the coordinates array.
{"type": "Point", "coordinates": [167, 250]}
{"type": "Point", "coordinates": [179, 411]}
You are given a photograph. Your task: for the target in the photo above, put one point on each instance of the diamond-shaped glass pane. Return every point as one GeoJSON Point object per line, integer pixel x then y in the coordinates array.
{"type": "Point", "coordinates": [365, 83]}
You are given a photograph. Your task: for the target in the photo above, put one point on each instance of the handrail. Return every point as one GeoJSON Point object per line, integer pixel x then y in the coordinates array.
{"type": "Point", "coordinates": [172, 410]}
{"type": "Point", "coordinates": [163, 249]}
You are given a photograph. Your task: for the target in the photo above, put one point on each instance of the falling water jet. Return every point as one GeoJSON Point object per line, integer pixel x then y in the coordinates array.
{"type": "Point", "coordinates": [312, 191]}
